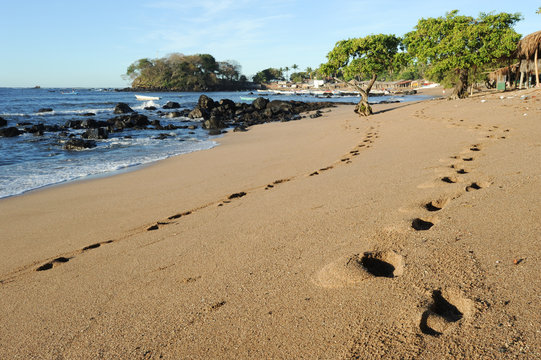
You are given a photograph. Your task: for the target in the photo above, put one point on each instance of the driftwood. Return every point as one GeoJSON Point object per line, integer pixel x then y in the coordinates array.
{"type": "Point", "coordinates": [362, 108]}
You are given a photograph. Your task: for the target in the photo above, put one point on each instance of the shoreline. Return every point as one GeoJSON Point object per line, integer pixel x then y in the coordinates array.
{"type": "Point", "coordinates": [278, 243]}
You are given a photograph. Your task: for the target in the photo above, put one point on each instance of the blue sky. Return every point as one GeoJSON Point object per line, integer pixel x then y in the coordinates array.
{"type": "Point", "coordinates": [67, 43]}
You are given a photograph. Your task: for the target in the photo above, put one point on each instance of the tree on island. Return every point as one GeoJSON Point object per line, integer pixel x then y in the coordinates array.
{"type": "Point", "coordinates": [267, 75]}
{"type": "Point", "coordinates": [361, 58]}
{"type": "Point", "coordinates": [200, 72]}
{"type": "Point", "coordinates": [456, 48]}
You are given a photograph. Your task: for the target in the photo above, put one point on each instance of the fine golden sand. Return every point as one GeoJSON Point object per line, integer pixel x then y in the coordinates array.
{"type": "Point", "coordinates": [412, 234]}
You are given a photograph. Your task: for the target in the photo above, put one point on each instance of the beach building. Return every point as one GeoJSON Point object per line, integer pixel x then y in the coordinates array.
{"type": "Point", "coordinates": [528, 52]}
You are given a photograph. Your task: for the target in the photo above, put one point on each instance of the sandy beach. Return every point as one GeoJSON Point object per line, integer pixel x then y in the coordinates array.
{"type": "Point", "coordinates": [411, 234]}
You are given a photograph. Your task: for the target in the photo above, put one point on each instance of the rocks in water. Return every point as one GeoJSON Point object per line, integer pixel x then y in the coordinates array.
{"type": "Point", "coordinates": [171, 105]}
{"type": "Point", "coordinates": [198, 113]}
{"type": "Point", "coordinates": [150, 108]}
{"type": "Point", "coordinates": [36, 129]}
{"type": "Point", "coordinates": [10, 132]}
{"type": "Point", "coordinates": [122, 108]}
{"type": "Point", "coordinates": [3, 122]}
{"type": "Point", "coordinates": [88, 114]}
{"type": "Point", "coordinates": [213, 123]}
{"type": "Point", "coordinates": [129, 121]}
{"type": "Point", "coordinates": [162, 136]}
{"type": "Point", "coordinates": [279, 106]}
{"type": "Point", "coordinates": [173, 114]}
{"type": "Point", "coordinates": [44, 110]}
{"type": "Point", "coordinates": [260, 103]}
{"type": "Point", "coordinates": [205, 103]}
{"type": "Point", "coordinates": [96, 133]}
{"type": "Point", "coordinates": [79, 144]}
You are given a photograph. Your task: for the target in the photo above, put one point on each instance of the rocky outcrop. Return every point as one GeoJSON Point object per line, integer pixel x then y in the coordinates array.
{"type": "Point", "coordinates": [138, 121]}
{"type": "Point", "coordinates": [44, 110]}
{"type": "Point", "coordinates": [10, 132]}
{"type": "Point", "coordinates": [79, 144]}
{"type": "Point", "coordinates": [225, 113]}
{"type": "Point", "coordinates": [171, 105]}
{"type": "Point", "coordinates": [96, 134]}
{"type": "Point", "coordinates": [122, 108]}
{"type": "Point", "coordinates": [205, 103]}
{"type": "Point", "coordinates": [260, 103]}
{"type": "Point", "coordinates": [3, 122]}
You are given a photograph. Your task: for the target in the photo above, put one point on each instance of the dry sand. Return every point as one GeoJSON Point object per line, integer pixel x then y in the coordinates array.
{"type": "Point", "coordinates": [412, 234]}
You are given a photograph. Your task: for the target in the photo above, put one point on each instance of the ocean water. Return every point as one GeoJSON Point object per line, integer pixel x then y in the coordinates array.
{"type": "Point", "coordinates": [29, 162]}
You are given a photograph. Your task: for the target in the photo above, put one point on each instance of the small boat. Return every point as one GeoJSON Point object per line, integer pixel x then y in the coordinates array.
{"type": "Point", "coordinates": [246, 98]}
{"type": "Point", "coordinates": [146, 98]}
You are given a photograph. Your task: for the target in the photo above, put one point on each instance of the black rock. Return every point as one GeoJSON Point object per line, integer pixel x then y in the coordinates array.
{"type": "Point", "coordinates": [43, 110]}
{"type": "Point", "coordinates": [215, 132]}
{"type": "Point", "coordinates": [3, 122]}
{"type": "Point", "coordinates": [150, 108]}
{"type": "Point", "coordinates": [88, 114]}
{"type": "Point", "coordinates": [89, 124]}
{"type": "Point", "coordinates": [260, 103]}
{"type": "Point", "coordinates": [10, 132]}
{"type": "Point", "coordinates": [213, 123]}
{"type": "Point", "coordinates": [171, 105]}
{"type": "Point", "coordinates": [73, 124]}
{"type": "Point", "coordinates": [205, 103]}
{"type": "Point", "coordinates": [96, 133]}
{"type": "Point", "coordinates": [162, 136]}
{"type": "Point", "coordinates": [198, 113]}
{"type": "Point", "coordinates": [39, 128]}
{"type": "Point", "coordinates": [227, 104]}
{"type": "Point", "coordinates": [277, 106]}
{"type": "Point", "coordinates": [173, 114]}
{"type": "Point", "coordinates": [79, 144]}
{"type": "Point", "coordinates": [240, 128]}
{"type": "Point", "coordinates": [122, 108]}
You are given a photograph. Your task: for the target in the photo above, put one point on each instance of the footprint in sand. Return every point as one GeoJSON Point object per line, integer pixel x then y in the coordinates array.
{"type": "Point", "coordinates": [478, 185]}
{"type": "Point", "coordinates": [446, 310]}
{"type": "Point", "coordinates": [437, 205]}
{"type": "Point", "coordinates": [451, 179]}
{"type": "Point", "coordinates": [420, 224]}
{"type": "Point", "coordinates": [353, 270]}
{"type": "Point", "coordinates": [50, 265]}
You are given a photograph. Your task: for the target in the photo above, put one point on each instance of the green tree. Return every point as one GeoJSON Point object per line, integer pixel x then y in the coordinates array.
{"type": "Point", "coordinates": [199, 72]}
{"type": "Point", "coordinates": [294, 67]}
{"type": "Point", "coordinates": [455, 48]}
{"type": "Point", "coordinates": [539, 10]}
{"type": "Point", "coordinates": [267, 75]}
{"type": "Point", "coordinates": [361, 58]}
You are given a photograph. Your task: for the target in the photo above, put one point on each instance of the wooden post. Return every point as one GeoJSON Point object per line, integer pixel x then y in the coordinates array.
{"type": "Point", "coordinates": [536, 69]}
{"type": "Point", "coordinates": [521, 79]}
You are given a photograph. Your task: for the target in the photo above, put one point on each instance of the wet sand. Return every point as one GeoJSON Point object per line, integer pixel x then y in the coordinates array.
{"type": "Point", "coordinates": [411, 234]}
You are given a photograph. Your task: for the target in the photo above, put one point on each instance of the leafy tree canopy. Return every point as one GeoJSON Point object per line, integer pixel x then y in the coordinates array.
{"type": "Point", "coordinates": [267, 75]}
{"type": "Point", "coordinates": [181, 72]}
{"type": "Point", "coordinates": [362, 58]}
{"type": "Point", "coordinates": [456, 47]}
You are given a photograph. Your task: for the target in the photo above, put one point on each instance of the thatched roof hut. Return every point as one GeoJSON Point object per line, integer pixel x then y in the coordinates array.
{"type": "Point", "coordinates": [529, 49]}
{"type": "Point", "coordinates": [529, 45]}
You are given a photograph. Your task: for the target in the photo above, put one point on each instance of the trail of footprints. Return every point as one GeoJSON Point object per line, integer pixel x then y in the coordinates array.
{"type": "Point", "coordinates": [365, 143]}
{"type": "Point", "coordinates": [446, 308]}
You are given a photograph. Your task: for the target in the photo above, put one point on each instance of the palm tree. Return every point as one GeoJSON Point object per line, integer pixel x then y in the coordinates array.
{"type": "Point", "coordinates": [309, 72]}
{"type": "Point", "coordinates": [286, 69]}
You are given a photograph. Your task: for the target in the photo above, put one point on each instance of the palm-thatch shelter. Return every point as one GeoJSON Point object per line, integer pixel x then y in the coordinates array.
{"type": "Point", "coordinates": [529, 52]}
